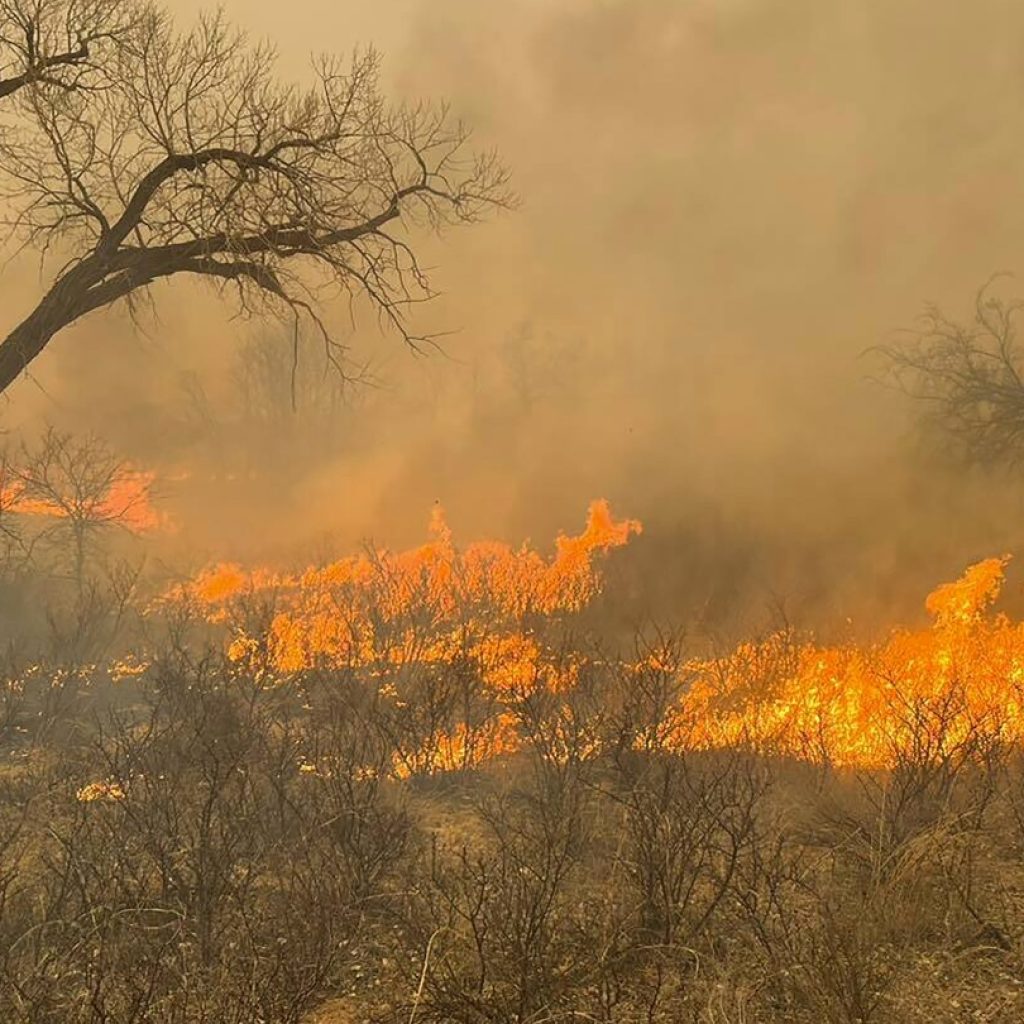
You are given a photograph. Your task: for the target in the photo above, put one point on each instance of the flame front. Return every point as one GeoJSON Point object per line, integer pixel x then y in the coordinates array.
{"type": "Point", "coordinates": [947, 688]}
{"type": "Point", "coordinates": [848, 705]}
{"type": "Point", "coordinates": [433, 605]}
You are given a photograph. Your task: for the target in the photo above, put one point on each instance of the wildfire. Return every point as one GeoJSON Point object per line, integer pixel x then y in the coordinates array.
{"type": "Point", "coordinates": [127, 501]}
{"type": "Point", "coordinates": [426, 604]}
{"type": "Point", "coordinates": [944, 690]}
{"type": "Point", "coordinates": [435, 605]}
{"type": "Point", "coordinates": [947, 688]}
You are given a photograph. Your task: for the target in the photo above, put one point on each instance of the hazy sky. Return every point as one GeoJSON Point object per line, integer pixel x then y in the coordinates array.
{"type": "Point", "coordinates": [725, 202]}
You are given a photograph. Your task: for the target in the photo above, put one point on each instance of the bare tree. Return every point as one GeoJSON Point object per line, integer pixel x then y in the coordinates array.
{"type": "Point", "coordinates": [194, 159]}
{"type": "Point", "coordinates": [57, 43]}
{"type": "Point", "coordinates": [77, 488]}
{"type": "Point", "coordinates": [13, 546]}
{"type": "Point", "coordinates": [968, 378]}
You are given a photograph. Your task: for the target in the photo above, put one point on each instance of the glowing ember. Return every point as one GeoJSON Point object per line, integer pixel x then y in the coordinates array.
{"type": "Point", "coordinates": [100, 791]}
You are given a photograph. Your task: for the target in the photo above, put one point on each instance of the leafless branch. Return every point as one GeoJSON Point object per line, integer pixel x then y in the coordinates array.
{"type": "Point", "coordinates": [195, 160]}
{"type": "Point", "coordinates": [967, 377]}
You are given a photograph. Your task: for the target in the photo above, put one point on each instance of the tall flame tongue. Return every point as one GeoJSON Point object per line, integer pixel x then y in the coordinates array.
{"type": "Point", "coordinates": [422, 604]}
{"type": "Point", "coordinates": [435, 604]}
{"type": "Point", "coordinates": [949, 687]}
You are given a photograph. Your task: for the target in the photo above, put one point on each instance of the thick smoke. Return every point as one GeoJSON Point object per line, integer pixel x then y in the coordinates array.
{"type": "Point", "coordinates": [725, 204]}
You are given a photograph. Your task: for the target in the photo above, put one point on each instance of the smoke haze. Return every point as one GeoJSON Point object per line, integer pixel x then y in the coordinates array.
{"type": "Point", "coordinates": [725, 204]}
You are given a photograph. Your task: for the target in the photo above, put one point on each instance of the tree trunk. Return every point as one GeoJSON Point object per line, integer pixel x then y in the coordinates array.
{"type": "Point", "coordinates": [61, 306]}
{"type": "Point", "coordinates": [22, 345]}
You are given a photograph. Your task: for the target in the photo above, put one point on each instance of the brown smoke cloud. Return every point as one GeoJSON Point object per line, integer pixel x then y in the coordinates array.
{"type": "Point", "coordinates": [726, 202]}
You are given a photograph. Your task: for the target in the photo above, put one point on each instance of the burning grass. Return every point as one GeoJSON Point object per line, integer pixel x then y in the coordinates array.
{"type": "Point", "coordinates": [424, 604]}
{"type": "Point", "coordinates": [860, 706]}
{"type": "Point", "coordinates": [495, 607]}
{"type": "Point", "coordinates": [411, 784]}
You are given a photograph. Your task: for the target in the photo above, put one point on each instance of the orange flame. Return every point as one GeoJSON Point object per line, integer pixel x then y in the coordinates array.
{"type": "Point", "coordinates": [435, 604]}
{"type": "Point", "coordinates": [127, 502]}
{"type": "Point", "coordinates": [378, 607]}
{"type": "Point", "coordinates": [957, 683]}
{"type": "Point", "coordinates": [942, 688]}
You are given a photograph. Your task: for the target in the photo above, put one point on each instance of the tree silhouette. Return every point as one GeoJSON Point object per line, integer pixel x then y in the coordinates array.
{"type": "Point", "coordinates": [58, 43]}
{"type": "Point", "coordinates": [186, 155]}
{"type": "Point", "coordinates": [969, 379]}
